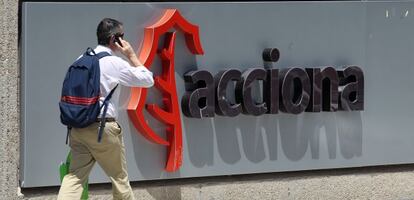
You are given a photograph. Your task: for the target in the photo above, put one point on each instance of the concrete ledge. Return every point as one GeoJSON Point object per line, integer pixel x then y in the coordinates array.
{"type": "Point", "coordinates": [386, 182]}
{"type": "Point", "coordinates": [9, 99]}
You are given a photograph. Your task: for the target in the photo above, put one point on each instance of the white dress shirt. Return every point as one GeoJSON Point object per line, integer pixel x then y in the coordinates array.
{"type": "Point", "coordinates": [115, 70]}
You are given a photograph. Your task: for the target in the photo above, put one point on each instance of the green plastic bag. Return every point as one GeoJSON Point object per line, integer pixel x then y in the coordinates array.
{"type": "Point", "coordinates": [64, 169]}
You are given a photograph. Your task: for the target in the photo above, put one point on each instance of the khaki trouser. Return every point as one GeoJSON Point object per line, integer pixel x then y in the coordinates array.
{"type": "Point", "coordinates": [110, 154]}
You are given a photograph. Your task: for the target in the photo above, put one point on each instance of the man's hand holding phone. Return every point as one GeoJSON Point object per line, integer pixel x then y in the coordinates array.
{"type": "Point", "coordinates": [125, 48]}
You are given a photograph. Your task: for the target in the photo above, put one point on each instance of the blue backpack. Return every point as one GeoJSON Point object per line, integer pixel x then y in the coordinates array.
{"type": "Point", "coordinates": [79, 103]}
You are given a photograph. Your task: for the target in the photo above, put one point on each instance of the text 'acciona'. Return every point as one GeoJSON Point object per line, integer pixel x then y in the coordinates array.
{"type": "Point", "coordinates": [290, 90]}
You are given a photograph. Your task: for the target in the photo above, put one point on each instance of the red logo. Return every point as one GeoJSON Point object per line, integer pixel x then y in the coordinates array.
{"type": "Point", "coordinates": [169, 113]}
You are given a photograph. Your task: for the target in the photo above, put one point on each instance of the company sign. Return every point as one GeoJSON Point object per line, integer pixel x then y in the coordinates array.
{"type": "Point", "coordinates": [297, 89]}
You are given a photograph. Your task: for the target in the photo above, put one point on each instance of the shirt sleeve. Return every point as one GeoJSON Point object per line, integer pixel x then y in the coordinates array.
{"type": "Point", "coordinates": [134, 76]}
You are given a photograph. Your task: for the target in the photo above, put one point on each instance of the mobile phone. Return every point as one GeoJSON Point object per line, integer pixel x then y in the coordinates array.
{"type": "Point", "coordinates": [117, 40]}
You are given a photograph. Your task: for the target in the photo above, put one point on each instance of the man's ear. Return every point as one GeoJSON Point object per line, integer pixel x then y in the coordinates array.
{"type": "Point", "coordinates": [112, 40]}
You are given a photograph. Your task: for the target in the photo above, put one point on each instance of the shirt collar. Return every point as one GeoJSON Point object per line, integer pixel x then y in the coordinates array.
{"type": "Point", "coordinates": [101, 48]}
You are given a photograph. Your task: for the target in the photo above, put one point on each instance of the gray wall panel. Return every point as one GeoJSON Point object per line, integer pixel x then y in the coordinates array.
{"type": "Point", "coordinates": [308, 34]}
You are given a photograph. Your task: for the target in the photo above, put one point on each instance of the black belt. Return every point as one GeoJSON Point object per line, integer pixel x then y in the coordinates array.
{"type": "Point", "coordinates": [108, 119]}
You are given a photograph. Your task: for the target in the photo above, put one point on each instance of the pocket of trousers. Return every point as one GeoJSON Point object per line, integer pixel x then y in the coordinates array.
{"type": "Point", "coordinates": [114, 128]}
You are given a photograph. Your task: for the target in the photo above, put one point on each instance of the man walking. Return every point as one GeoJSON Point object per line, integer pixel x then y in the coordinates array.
{"type": "Point", "coordinates": [110, 152]}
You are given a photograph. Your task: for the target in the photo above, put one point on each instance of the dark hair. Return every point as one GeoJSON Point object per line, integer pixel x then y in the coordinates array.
{"type": "Point", "coordinates": [106, 28]}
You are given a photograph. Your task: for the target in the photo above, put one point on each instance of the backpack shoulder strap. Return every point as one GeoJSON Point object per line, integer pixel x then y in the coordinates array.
{"type": "Point", "coordinates": [105, 107]}
{"type": "Point", "coordinates": [102, 54]}
{"type": "Point", "coordinates": [91, 52]}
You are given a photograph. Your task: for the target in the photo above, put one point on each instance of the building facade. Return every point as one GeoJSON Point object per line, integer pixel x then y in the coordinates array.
{"type": "Point", "coordinates": [374, 182]}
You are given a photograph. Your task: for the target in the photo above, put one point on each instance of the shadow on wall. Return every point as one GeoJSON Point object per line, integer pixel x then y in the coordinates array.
{"type": "Point", "coordinates": [257, 137]}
